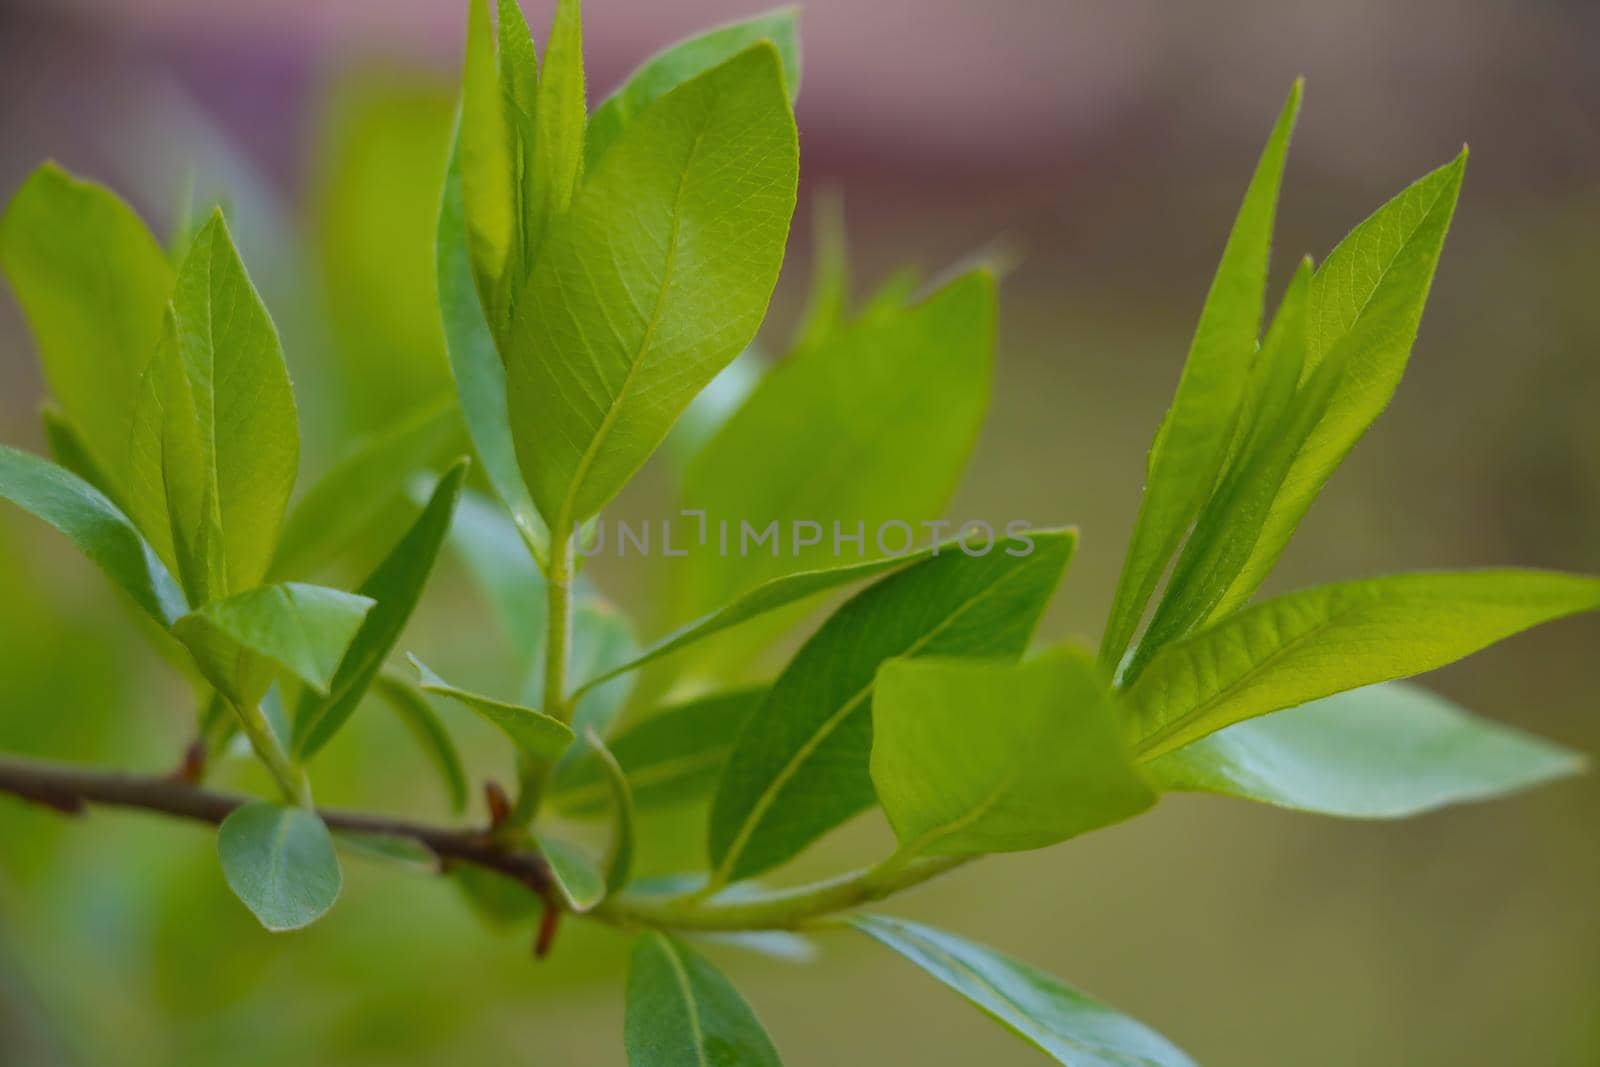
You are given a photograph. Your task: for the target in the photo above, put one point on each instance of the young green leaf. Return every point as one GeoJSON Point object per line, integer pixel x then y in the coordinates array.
{"type": "Point", "coordinates": [216, 441]}
{"type": "Point", "coordinates": [619, 861]}
{"type": "Point", "coordinates": [538, 736]}
{"type": "Point", "coordinates": [475, 361]}
{"type": "Point", "coordinates": [683, 1013]}
{"type": "Point", "coordinates": [1363, 311]}
{"type": "Point", "coordinates": [485, 159]}
{"type": "Point", "coordinates": [971, 756]}
{"type": "Point", "coordinates": [579, 878]}
{"type": "Point", "coordinates": [842, 429]}
{"type": "Point", "coordinates": [1193, 440]}
{"type": "Point", "coordinates": [675, 755]}
{"type": "Point", "coordinates": [395, 587]}
{"type": "Point", "coordinates": [351, 502]}
{"type": "Point", "coordinates": [1274, 423]}
{"type": "Point", "coordinates": [670, 68]}
{"type": "Point", "coordinates": [94, 524]}
{"type": "Point", "coordinates": [1056, 1019]}
{"type": "Point", "coordinates": [93, 281]}
{"type": "Point", "coordinates": [654, 280]}
{"type": "Point", "coordinates": [559, 121]}
{"type": "Point", "coordinates": [239, 643]}
{"type": "Point", "coordinates": [280, 862]}
{"type": "Point", "coordinates": [1302, 646]}
{"type": "Point", "coordinates": [419, 717]}
{"type": "Point", "coordinates": [801, 766]}
{"type": "Point", "coordinates": [1383, 752]}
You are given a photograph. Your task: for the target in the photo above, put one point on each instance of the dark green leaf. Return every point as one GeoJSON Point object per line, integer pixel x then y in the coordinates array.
{"type": "Point", "coordinates": [280, 862]}
{"type": "Point", "coordinates": [651, 284]}
{"type": "Point", "coordinates": [1383, 752]}
{"type": "Point", "coordinates": [1302, 646]}
{"type": "Point", "coordinates": [675, 755]}
{"type": "Point", "coordinates": [971, 756]}
{"type": "Point", "coordinates": [1192, 443]}
{"type": "Point", "coordinates": [670, 68]}
{"type": "Point", "coordinates": [395, 587]}
{"type": "Point", "coordinates": [683, 1013]}
{"type": "Point", "coordinates": [1059, 1021]}
{"type": "Point", "coordinates": [94, 524]}
{"type": "Point", "coordinates": [801, 766]}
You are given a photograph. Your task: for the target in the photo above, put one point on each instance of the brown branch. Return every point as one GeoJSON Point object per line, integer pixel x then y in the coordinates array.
{"type": "Point", "coordinates": [68, 789]}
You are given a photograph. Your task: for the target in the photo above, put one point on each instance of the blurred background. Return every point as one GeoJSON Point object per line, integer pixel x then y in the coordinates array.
{"type": "Point", "coordinates": [1108, 144]}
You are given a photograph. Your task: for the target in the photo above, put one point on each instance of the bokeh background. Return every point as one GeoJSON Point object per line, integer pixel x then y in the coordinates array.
{"type": "Point", "coordinates": [1108, 144]}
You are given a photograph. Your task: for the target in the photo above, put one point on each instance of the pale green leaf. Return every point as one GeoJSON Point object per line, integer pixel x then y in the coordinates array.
{"type": "Point", "coordinates": [1302, 646]}
{"type": "Point", "coordinates": [420, 718]}
{"type": "Point", "coordinates": [93, 282]}
{"type": "Point", "coordinates": [674, 756]}
{"type": "Point", "coordinates": [673, 66]}
{"type": "Point", "coordinates": [280, 862]}
{"type": "Point", "coordinates": [801, 766]}
{"type": "Point", "coordinates": [539, 736]}
{"type": "Point", "coordinates": [395, 587]}
{"type": "Point", "coordinates": [683, 1013]}
{"type": "Point", "coordinates": [350, 504]}
{"type": "Point", "coordinates": [94, 524]}
{"type": "Point", "coordinates": [1059, 1021]}
{"type": "Point", "coordinates": [475, 361]}
{"type": "Point", "coordinates": [485, 159]}
{"type": "Point", "coordinates": [827, 307]}
{"type": "Point", "coordinates": [1192, 443]}
{"type": "Point", "coordinates": [619, 860]}
{"type": "Point", "coordinates": [304, 629]}
{"type": "Point", "coordinates": [842, 429]}
{"type": "Point", "coordinates": [559, 119]}
{"type": "Point", "coordinates": [654, 280]}
{"type": "Point", "coordinates": [581, 881]}
{"type": "Point", "coordinates": [971, 756]}
{"type": "Point", "coordinates": [1363, 311]}
{"type": "Point", "coordinates": [1383, 752]}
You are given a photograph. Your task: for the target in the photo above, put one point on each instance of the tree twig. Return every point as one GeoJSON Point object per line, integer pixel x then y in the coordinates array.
{"type": "Point", "coordinates": [68, 789]}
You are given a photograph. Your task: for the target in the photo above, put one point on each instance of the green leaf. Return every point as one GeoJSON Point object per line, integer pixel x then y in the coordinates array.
{"type": "Point", "coordinates": [352, 503]}
{"type": "Point", "coordinates": [1365, 305]}
{"type": "Point", "coordinates": [654, 280]}
{"type": "Point", "coordinates": [619, 861]}
{"type": "Point", "coordinates": [280, 862]}
{"type": "Point", "coordinates": [1192, 443]}
{"type": "Point", "coordinates": [559, 121]}
{"type": "Point", "coordinates": [395, 587]}
{"type": "Point", "coordinates": [1384, 752]}
{"type": "Point", "coordinates": [842, 429]}
{"type": "Point", "coordinates": [673, 66]}
{"type": "Point", "coordinates": [827, 307]}
{"type": "Point", "coordinates": [1056, 1019]}
{"type": "Point", "coordinates": [763, 599]}
{"type": "Point", "coordinates": [971, 756]}
{"type": "Point", "coordinates": [238, 642]}
{"type": "Point", "coordinates": [674, 756]}
{"type": "Point", "coordinates": [216, 441]}
{"type": "Point", "coordinates": [93, 281]}
{"type": "Point", "coordinates": [1302, 646]}
{"type": "Point", "coordinates": [713, 407]}
{"type": "Point", "coordinates": [419, 717]}
{"type": "Point", "coordinates": [578, 877]}
{"type": "Point", "coordinates": [539, 736]}
{"type": "Point", "coordinates": [406, 852]}
{"type": "Point", "coordinates": [1273, 424]}
{"type": "Point", "coordinates": [71, 451]}
{"type": "Point", "coordinates": [475, 361]}
{"type": "Point", "coordinates": [484, 538]}
{"type": "Point", "coordinates": [683, 1013]}
{"type": "Point", "coordinates": [485, 159]}
{"type": "Point", "coordinates": [94, 524]}
{"type": "Point", "coordinates": [801, 766]}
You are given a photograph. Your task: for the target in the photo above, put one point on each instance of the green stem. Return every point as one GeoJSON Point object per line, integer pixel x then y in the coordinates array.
{"type": "Point", "coordinates": [558, 639]}
{"type": "Point", "coordinates": [290, 777]}
{"type": "Point", "coordinates": [785, 909]}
